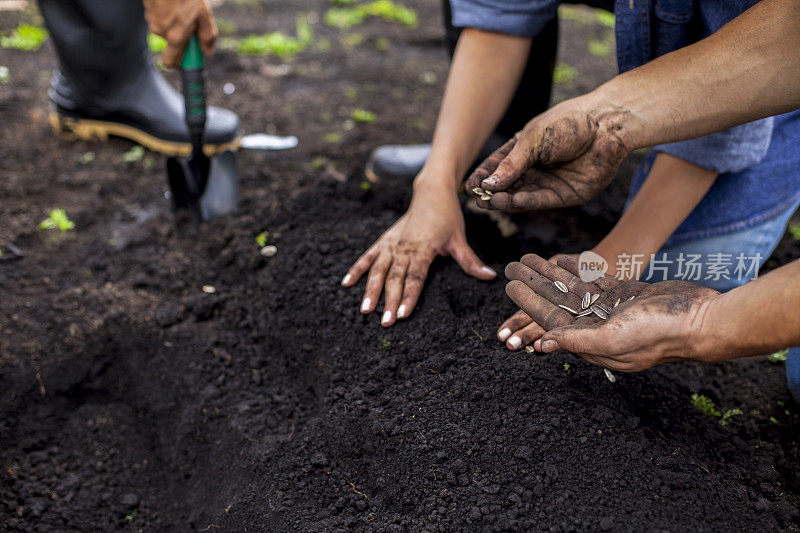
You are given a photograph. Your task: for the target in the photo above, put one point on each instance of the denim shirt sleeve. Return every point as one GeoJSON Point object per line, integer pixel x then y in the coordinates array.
{"type": "Point", "coordinates": [524, 18]}
{"type": "Point", "coordinates": [730, 150]}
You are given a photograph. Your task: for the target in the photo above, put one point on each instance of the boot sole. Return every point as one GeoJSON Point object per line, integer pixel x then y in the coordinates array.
{"type": "Point", "coordinates": [72, 129]}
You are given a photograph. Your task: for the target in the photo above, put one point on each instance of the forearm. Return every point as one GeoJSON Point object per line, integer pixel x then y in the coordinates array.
{"type": "Point", "coordinates": [757, 318]}
{"type": "Point", "coordinates": [484, 74]}
{"type": "Point", "coordinates": [672, 190]}
{"type": "Point", "coordinates": [747, 70]}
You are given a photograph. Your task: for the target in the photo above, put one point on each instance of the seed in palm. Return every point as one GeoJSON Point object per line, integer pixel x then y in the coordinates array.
{"type": "Point", "coordinates": [594, 299]}
{"type": "Point", "coordinates": [560, 286]}
{"type": "Point", "coordinates": [571, 310]}
{"type": "Point", "coordinates": [599, 312]}
{"type": "Point", "coordinates": [587, 299]}
{"type": "Point", "coordinates": [617, 302]}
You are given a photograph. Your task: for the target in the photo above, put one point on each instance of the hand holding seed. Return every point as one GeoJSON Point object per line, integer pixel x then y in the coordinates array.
{"type": "Point", "coordinates": [619, 325]}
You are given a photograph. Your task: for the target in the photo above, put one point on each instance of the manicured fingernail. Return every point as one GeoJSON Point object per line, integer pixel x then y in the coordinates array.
{"type": "Point", "coordinates": [504, 333]}
{"type": "Point", "coordinates": [549, 346]}
{"type": "Point", "coordinates": [491, 181]}
{"type": "Point", "coordinates": [365, 305]}
{"type": "Point", "coordinates": [401, 311]}
{"type": "Point", "coordinates": [346, 280]}
{"type": "Point", "coordinates": [488, 271]}
{"type": "Point", "coordinates": [515, 342]}
{"type": "Point", "coordinates": [387, 317]}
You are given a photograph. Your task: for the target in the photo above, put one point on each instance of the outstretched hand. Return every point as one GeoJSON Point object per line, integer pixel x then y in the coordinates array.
{"type": "Point", "coordinates": [563, 157]}
{"type": "Point", "coordinates": [630, 326]}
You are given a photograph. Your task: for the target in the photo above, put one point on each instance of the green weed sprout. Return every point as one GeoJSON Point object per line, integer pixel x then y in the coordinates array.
{"type": "Point", "coordinates": [347, 17]}
{"type": "Point", "coordinates": [156, 43]}
{"type": "Point", "coordinates": [599, 48]}
{"type": "Point", "coordinates": [134, 154]}
{"type": "Point", "coordinates": [261, 239]}
{"type": "Point", "coordinates": [727, 415]}
{"type": "Point", "coordinates": [366, 186]}
{"type": "Point", "coordinates": [705, 405]}
{"type": "Point", "coordinates": [778, 357]}
{"type": "Point", "coordinates": [794, 231]}
{"type": "Point", "coordinates": [566, 367]}
{"type": "Point", "coordinates": [333, 137]}
{"type": "Point", "coordinates": [386, 345]}
{"type": "Point", "coordinates": [57, 220]}
{"type": "Point", "coordinates": [25, 37]}
{"type": "Point", "coordinates": [362, 115]}
{"type": "Point", "coordinates": [277, 43]}
{"type": "Point", "coordinates": [605, 18]}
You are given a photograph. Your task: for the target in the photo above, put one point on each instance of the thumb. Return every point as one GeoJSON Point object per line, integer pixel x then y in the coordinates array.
{"type": "Point", "coordinates": [509, 170]}
{"type": "Point", "coordinates": [587, 339]}
{"type": "Point", "coordinates": [470, 263]}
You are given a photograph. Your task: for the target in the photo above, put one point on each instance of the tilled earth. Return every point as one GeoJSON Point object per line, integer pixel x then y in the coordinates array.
{"type": "Point", "coordinates": [132, 399]}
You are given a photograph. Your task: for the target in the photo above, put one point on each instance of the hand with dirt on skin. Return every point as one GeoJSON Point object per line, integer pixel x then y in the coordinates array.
{"type": "Point", "coordinates": [176, 21]}
{"type": "Point", "coordinates": [563, 157]}
{"type": "Point", "coordinates": [399, 260]}
{"type": "Point", "coordinates": [657, 326]}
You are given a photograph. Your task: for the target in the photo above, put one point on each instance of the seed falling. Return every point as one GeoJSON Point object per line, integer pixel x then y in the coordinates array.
{"type": "Point", "coordinates": [586, 301]}
{"type": "Point", "coordinates": [530, 349]}
{"type": "Point", "coordinates": [599, 312]}
{"type": "Point", "coordinates": [611, 377]}
{"type": "Point", "coordinates": [594, 298]}
{"type": "Point", "coordinates": [269, 250]}
{"type": "Point", "coordinates": [560, 285]}
{"type": "Point", "coordinates": [617, 302]}
{"type": "Point", "coordinates": [571, 310]}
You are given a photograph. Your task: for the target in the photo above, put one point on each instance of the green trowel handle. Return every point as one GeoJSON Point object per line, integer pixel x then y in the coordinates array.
{"type": "Point", "coordinates": [194, 89]}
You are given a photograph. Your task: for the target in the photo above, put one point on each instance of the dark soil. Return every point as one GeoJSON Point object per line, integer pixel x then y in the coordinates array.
{"type": "Point", "coordinates": [131, 399]}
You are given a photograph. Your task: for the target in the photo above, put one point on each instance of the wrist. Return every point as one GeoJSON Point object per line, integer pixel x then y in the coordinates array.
{"type": "Point", "coordinates": [436, 181]}
{"type": "Point", "coordinates": [612, 108]}
{"type": "Point", "coordinates": [707, 340]}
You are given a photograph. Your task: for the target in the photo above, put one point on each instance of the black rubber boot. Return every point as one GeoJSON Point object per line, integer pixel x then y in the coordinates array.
{"type": "Point", "coordinates": [108, 85]}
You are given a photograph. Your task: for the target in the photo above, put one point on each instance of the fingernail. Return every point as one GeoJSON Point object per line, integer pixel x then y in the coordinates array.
{"type": "Point", "coordinates": [490, 181]}
{"type": "Point", "coordinates": [365, 305]}
{"type": "Point", "coordinates": [549, 346]}
{"type": "Point", "coordinates": [515, 342]}
{"type": "Point", "coordinates": [401, 311]}
{"type": "Point", "coordinates": [387, 317]}
{"type": "Point", "coordinates": [504, 333]}
{"type": "Point", "coordinates": [488, 271]}
{"type": "Point", "coordinates": [346, 280]}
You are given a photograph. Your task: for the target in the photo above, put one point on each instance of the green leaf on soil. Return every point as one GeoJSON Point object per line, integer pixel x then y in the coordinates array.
{"type": "Point", "coordinates": [564, 73]}
{"type": "Point", "coordinates": [599, 48]}
{"type": "Point", "coordinates": [362, 115]}
{"type": "Point", "coordinates": [705, 405]}
{"type": "Point", "coordinates": [366, 186]}
{"type": "Point", "coordinates": [134, 154]}
{"type": "Point", "coordinates": [727, 415]}
{"type": "Point", "coordinates": [25, 37]}
{"type": "Point", "coordinates": [566, 367]}
{"type": "Point", "coordinates": [86, 158]}
{"type": "Point", "coordinates": [261, 239]}
{"type": "Point", "coordinates": [156, 43]}
{"type": "Point", "coordinates": [347, 17]}
{"type": "Point", "coordinates": [278, 43]}
{"type": "Point", "coordinates": [778, 357]}
{"type": "Point", "coordinates": [605, 18]}
{"type": "Point", "coordinates": [386, 345]}
{"type": "Point", "coordinates": [333, 137]}
{"type": "Point", "coordinates": [5, 74]}
{"type": "Point", "coordinates": [59, 220]}
{"type": "Point", "coordinates": [794, 230]}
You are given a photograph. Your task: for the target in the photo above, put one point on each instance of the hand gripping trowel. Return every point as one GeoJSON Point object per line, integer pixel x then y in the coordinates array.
{"type": "Point", "coordinates": [209, 187]}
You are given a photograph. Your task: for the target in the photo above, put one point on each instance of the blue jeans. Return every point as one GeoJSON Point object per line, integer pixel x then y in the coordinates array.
{"type": "Point", "coordinates": [759, 240]}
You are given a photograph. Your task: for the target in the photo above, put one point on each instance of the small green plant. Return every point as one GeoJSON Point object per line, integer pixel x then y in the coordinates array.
{"type": "Point", "coordinates": [605, 18]}
{"type": "Point", "coordinates": [57, 219]}
{"type": "Point", "coordinates": [774, 420]}
{"type": "Point", "coordinates": [134, 154]}
{"type": "Point", "coordinates": [25, 37]}
{"type": "Point", "coordinates": [564, 73]}
{"type": "Point", "coordinates": [362, 115]}
{"type": "Point", "coordinates": [727, 415]}
{"type": "Point", "coordinates": [156, 43]}
{"type": "Point", "coordinates": [86, 158]}
{"type": "Point", "coordinates": [386, 345]}
{"type": "Point", "coordinates": [352, 40]}
{"type": "Point", "coordinates": [705, 405]}
{"type": "Point", "coordinates": [5, 74]}
{"type": "Point", "coordinates": [333, 137]}
{"type": "Point", "coordinates": [261, 239]}
{"type": "Point", "coordinates": [778, 357]}
{"type": "Point", "coordinates": [347, 17]}
{"type": "Point", "coordinates": [130, 517]}
{"type": "Point", "coordinates": [794, 230]}
{"type": "Point", "coordinates": [566, 367]}
{"type": "Point", "coordinates": [278, 43]}
{"type": "Point", "coordinates": [366, 186]}
{"type": "Point", "coordinates": [599, 48]}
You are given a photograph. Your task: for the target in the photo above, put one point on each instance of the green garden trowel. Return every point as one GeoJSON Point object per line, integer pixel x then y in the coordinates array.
{"type": "Point", "coordinates": [209, 187]}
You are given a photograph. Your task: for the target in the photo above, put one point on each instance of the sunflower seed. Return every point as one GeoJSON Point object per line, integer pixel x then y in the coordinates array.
{"type": "Point", "coordinates": [269, 250]}
{"type": "Point", "coordinates": [599, 312]}
{"type": "Point", "coordinates": [604, 307]}
{"type": "Point", "coordinates": [617, 302]}
{"type": "Point", "coordinates": [488, 193]}
{"type": "Point", "coordinates": [530, 349]}
{"type": "Point", "coordinates": [594, 298]}
{"type": "Point", "coordinates": [586, 301]}
{"type": "Point", "coordinates": [632, 297]}
{"type": "Point", "coordinates": [485, 197]}
{"type": "Point", "coordinates": [478, 191]}
{"type": "Point", "coordinates": [571, 310]}
{"type": "Point", "coordinates": [611, 377]}
{"type": "Point", "coordinates": [560, 285]}
{"type": "Point", "coordinates": [585, 312]}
